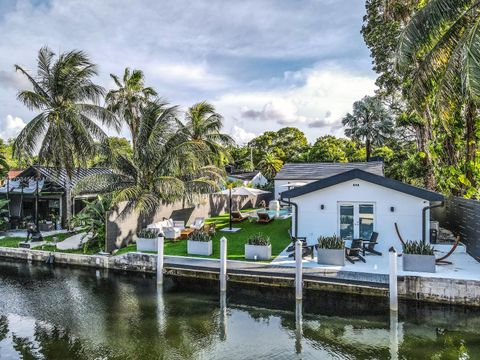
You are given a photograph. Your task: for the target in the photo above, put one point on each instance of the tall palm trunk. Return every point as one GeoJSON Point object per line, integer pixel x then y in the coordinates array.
{"type": "Point", "coordinates": [68, 195]}
{"type": "Point", "coordinates": [424, 135]}
{"type": "Point", "coordinates": [471, 141]}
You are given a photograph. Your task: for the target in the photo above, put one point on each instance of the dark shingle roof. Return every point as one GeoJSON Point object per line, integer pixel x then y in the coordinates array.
{"type": "Point", "coordinates": [317, 171]}
{"type": "Point", "coordinates": [59, 175]}
{"type": "Point", "coordinates": [366, 176]}
{"type": "Point", "coordinates": [248, 175]}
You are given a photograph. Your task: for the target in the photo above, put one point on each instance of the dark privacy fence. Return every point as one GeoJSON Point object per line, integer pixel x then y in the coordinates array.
{"type": "Point", "coordinates": [462, 217]}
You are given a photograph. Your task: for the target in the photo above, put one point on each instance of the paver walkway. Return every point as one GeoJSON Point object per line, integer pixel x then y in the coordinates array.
{"type": "Point", "coordinates": [73, 242]}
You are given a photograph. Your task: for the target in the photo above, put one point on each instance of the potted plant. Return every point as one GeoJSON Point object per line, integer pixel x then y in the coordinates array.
{"type": "Point", "coordinates": [418, 256]}
{"type": "Point", "coordinates": [147, 240]}
{"type": "Point", "coordinates": [199, 243]}
{"type": "Point", "coordinates": [258, 247]}
{"type": "Point", "coordinates": [331, 250]}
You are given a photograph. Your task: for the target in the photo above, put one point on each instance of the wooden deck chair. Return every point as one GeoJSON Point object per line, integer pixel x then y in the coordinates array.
{"type": "Point", "coordinates": [352, 253]}
{"type": "Point", "coordinates": [439, 261]}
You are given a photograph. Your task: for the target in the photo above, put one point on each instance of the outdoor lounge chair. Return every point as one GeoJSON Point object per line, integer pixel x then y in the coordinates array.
{"type": "Point", "coordinates": [210, 229]}
{"type": "Point", "coordinates": [369, 245]}
{"type": "Point", "coordinates": [307, 250]}
{"type": "Point", "coordinates": [352, 253]}
{"type": "Point", "coordinates": [264, 218]}
{"type": "Point", "coordinates": [198, 224]}
{"type": "Point", "coordinates": [237, 216]}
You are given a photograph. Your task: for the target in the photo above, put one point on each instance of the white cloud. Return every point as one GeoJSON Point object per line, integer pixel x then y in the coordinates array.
{"type": "Point", "coordinates": [11, 126]}
{"type": "Point", "coordinates": [316, 106]}
{"type": "Point", "coordinates": [245, 56]}
{"type": "Point", "coordinates": [240, 135]}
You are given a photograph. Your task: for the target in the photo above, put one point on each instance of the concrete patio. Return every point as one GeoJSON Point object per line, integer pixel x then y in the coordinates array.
{"type": "Point", "coordinates": [464, 266]}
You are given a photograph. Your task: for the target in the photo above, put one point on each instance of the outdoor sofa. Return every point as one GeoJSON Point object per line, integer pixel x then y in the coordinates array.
{"type": "Point", "coordinates": [169, 228]}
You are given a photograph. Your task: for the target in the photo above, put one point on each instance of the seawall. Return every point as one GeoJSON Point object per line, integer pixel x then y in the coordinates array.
{"type": "Point", "coordinates": [445, 291]}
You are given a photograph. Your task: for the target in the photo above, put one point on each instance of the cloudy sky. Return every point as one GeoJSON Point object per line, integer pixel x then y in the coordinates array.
{"type": "Point", "coordinates": [265, 64]}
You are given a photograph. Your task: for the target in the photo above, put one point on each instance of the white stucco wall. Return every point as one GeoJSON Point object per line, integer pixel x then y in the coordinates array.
{"type": "Point", "coordinates": [313, 222]}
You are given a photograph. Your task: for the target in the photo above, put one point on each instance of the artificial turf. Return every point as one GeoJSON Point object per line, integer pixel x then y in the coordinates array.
{"type": "Point", "coordinates": [277, 230]}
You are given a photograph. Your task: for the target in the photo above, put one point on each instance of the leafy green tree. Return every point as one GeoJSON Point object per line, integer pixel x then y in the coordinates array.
{"type": "Point", "coordinates": [327, 148]}
{"type": "Point", "coordinates": [162, 168]}
{"type": "Point", "coordinates": [442, 40]}
{"type": "Point", "coordinates": [370, 121]}
{"type": "Point", "coordinates": [64, 131]}
{"type": "Point", "coordinates": [202, 129]}
{"type": "Point", "coordinates": [110, 148]}
{"type": "Point", "coordinates": [288, 144]}
{"type": "Point", "coordinates": [241, 157]}
{"type": "Point", "coordinates": [128, 99]}
{"type": "Point", "coordinates": [4, 166]}
{"type": "Point", "coordinates": [270, 165]}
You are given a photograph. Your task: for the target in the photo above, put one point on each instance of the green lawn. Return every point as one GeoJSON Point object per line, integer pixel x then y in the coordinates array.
{"type": "Point", "coordinates": [13, 241]}
{"type": "Point", "coordinates": [277, 230]}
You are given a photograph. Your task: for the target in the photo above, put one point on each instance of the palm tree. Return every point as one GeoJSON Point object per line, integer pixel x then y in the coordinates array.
{"type": "Point", "coordinates": [442, 44]}
{"type": "Point", "coordinates": [64, 131]}
{"type": "Point", "coordinates": [270, 165]}
{"type": "Point", "coordinates": [202, 129]}
{"type": "Point", "coordinates": [129, 98]}
{"type": "Point", "coordinates": [162, 168]}
{"type": "Point", "coordinates": [370, 121]}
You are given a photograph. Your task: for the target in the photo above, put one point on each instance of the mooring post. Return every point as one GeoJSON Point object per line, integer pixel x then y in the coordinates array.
{"type": "Point", "coordinates": [298, 326]}
{"type": "Point", "coordinates": [298, 270]}
{"type": "Point", "coordinates": [394, 343]}
{"type": "Point", "coordinates": [393, 280]}
{"type": "Point", "coordinates": [223, 315]}
{"type": "Point", "coordinates": [223, 264]}
{"type": "Point", "coordinates": [160, 260]}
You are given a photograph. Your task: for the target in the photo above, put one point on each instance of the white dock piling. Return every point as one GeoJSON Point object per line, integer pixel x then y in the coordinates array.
{"type": "Point", "coordinates": [223, 264]}
{"type": "Point", "coordinates": [160, 260]}
{"type": "Point", "coordinates": [298, 326]}
{"type": "Point", "coordinates": [298, 270]}
{"type": "Point", "coordinates": [393, 280]}
{"type": "Point", "coordinates": [223, 315]}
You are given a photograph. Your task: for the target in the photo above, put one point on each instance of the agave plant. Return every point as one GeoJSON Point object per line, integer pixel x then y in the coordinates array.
{"type": "Point", "coordinates": [200, 236]}
{"type": "Point", "coordinates": [162, 168]}
{"type": "Point", "coordinates": [330, 242]}
{"type": "Point", "coordinates": [258, 239]}
{"type": "Point", "coordinates": [417, 248]}
{"type": "Point", "coordinates": [148, 233]}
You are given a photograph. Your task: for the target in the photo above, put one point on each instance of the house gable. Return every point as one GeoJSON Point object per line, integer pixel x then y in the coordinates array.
{"type": "Point", "coordinates": [366, 176]}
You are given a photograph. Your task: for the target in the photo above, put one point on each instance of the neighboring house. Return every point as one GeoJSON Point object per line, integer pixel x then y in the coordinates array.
{"type": "Point", "coordinates": [304, 173]}
{"type": "Point", "coordinates": [355, 203]}
{"type": "Point", "coordinates": [250, 178]}
{"type": "Point", "coordinates": [38, 192]}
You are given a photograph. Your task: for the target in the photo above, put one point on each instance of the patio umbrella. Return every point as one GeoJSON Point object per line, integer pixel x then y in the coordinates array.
{"type": "Point", "coordinates": [239, 191]}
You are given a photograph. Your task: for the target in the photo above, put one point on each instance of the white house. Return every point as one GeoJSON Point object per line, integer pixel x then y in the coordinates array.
{"type": "Point", "coordinates": [355, 203]}
{"type": "Point", "coordinates": [298, 174]}
{"type": "Point", "coordinates": [250, 178]}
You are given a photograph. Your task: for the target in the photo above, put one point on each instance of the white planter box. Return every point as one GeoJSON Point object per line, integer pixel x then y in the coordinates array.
{"type": "Point", "coordinates": [147, 244]}
{"type": "Point", "coordinates": [257, 252]}
{"type": "Point", "coordinates": [199, 247]}
{"type": "Point", "coordinates": [419, 263]}
{"type": "Point", "coordinates": [331, 257]}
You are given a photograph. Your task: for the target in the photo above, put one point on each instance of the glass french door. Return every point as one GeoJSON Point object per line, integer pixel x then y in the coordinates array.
{"type": "Point", "coordinates": [356, 220]}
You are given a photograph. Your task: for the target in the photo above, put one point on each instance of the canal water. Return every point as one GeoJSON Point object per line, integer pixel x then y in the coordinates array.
{"type": "Point", "coordinates": [70, 313]}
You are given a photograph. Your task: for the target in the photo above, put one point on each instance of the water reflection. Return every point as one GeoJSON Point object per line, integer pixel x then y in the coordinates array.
{"type": "Point", "coordinates": [59, 313]}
